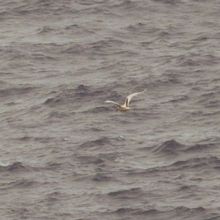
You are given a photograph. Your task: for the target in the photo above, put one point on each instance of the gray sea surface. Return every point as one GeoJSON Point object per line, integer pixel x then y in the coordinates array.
{"type": "Point", "coordinates": [68, 155]}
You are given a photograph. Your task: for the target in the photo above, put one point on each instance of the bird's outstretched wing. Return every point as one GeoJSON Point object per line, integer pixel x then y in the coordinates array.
{"type": "Point", "coordinates": [129, 97]}
{"type": "Point", "coordinates": [112, 102]}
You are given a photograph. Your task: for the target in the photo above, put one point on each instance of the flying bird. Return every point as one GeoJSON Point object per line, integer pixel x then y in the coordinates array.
{"type": "Point", "coordinates": [124, 107]}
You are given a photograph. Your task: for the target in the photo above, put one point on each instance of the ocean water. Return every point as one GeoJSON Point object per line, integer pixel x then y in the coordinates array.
{"type": "Point", "coordinates": [67, 155]}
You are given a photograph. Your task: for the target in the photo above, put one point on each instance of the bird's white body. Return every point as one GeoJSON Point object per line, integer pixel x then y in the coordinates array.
{"type": "Point", "coordinates": [125, 106]}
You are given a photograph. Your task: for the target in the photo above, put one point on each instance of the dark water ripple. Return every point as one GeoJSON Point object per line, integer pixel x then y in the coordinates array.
{"type": "Point", "coordinates": [173, 147]}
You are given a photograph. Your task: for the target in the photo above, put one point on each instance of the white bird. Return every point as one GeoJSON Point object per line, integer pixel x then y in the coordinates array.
{"type": "Point", "coordinates": [125, 106]}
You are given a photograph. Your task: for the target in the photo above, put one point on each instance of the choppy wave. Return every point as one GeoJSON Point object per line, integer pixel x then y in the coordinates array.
{"type": "Point", "coordinates": [172, 147]}
{"type": "Point", "coordinates": [71, 155]}
{"type": "Point", "coordinates": [14, 167]}
{"type": "Point", "coordinates": [181, 211]}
